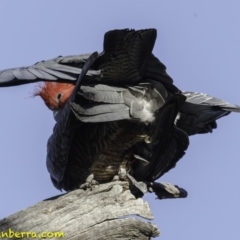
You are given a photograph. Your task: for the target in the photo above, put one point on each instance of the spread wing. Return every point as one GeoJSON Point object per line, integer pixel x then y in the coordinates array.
{"type": "Point", "coordinates": [132, 50]}
{"type": "Point", "coordinates": [57, 69]}
{"type": "Point", "coordinates": [126, 82]}
{"type": "Point", "coordinates": [200, 112]}
{"type": "Point", "coordinates": [61, 139]}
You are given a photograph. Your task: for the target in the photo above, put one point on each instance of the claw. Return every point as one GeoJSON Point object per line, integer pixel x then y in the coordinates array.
{"type": "Point", "coordinates": [139, 185]}
{"type": "Point", "coordinates": [90, 183]}
{"type": "Point", "coordinates": [122, 174]}
{"type": "Point", "coordinates": [116, 178]}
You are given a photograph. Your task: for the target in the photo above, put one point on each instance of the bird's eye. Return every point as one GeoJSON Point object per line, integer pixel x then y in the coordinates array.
{"type": "Point", "coordinates": [59, 96]}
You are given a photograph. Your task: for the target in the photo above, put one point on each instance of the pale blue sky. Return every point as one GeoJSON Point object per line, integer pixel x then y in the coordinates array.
{"type": "Point", "coordinates": [198, 41]}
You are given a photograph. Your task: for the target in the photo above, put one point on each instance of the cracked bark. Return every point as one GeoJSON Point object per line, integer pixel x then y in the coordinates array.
{"type": "Point", "coordinates": [100, 213]}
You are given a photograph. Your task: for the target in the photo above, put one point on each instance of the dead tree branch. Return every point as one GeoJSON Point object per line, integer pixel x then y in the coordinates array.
{"type": "Point", "coordinates": [100, 213]}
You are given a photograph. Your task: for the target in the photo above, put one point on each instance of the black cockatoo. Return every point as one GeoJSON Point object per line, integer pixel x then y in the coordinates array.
{"type": "Point", "coordinates": [125, 119]}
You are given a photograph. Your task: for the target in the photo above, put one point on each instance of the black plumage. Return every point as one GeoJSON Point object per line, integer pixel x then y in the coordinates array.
{"type": "Point", "coordinates": [115, 120]}
{"type": "Point", "coordinates": [127, 115]}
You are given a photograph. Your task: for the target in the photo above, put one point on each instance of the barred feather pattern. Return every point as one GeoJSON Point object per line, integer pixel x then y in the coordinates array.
{"type": "Point", "coordinates": [107, 148]}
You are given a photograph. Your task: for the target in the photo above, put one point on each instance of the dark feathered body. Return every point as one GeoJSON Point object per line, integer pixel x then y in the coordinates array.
{"type": "Point", "coordinates": [127, 113]}
{"type": "Point", "coordinates": [98, 148]}
{"type": "Point", "coordinates": [103, 146]}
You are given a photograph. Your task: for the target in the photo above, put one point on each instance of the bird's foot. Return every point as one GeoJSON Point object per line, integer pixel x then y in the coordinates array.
{"type": "Point", "coordinates": [90, 183]}
{"type": "Point", "coordinates": [139, 185]}
{"type": "Point", "coordinates": [116, 178]}
{"type": "Point", "coordinates": [136, 186]}
{"type": "Point", "coordinates": [122, 175]}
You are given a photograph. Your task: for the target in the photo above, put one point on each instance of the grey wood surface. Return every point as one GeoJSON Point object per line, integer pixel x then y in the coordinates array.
{"type": "Point", "coordinates": [104, 212]}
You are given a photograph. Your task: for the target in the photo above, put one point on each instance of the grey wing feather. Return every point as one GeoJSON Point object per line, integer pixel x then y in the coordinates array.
{"type": "Point", "coordinates": [99, 109]}
{"type": "Point", "coordinates": [40, 73]}
{"type": "Point", "coordinates": [64, 68]}
{"type": "Point", "coordinates": [131, 102]}
{"type": "Point", "coordinates": [200, 112]}
{"type": "Point", "coordinates": [22, 73]}
{"type": "Point", "coordinates": [74, 70]}
{"type": "Point", "coordinates": [81, 58]}
{"type": "Point", "coordinates": [204, 99]}
{"type": "Point", "coordinates": [59, 68]}
{"type": "Point", "coordinates": [105, 117]}
{"type": "Point", "coordinates": [106, 97]}
{"type": "Point", "coordinates": [6, 75]}
{"type": "Point", "coordinates": [101, 87]}
{"type": "Point", "coordinates": [55, 74]}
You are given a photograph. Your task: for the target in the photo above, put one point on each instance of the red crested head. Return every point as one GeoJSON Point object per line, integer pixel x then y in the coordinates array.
{"type": "Point", "coordinates": [54, 94]}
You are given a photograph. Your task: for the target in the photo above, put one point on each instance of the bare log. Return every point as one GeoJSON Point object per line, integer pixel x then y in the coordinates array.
{"type": "Point", "coordinates": [100, 213]}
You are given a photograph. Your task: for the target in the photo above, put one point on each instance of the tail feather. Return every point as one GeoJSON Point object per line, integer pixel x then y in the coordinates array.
{"type": "Point", "coordinates": [126, 53]}
{"type": "Point", "coordinates": [165, 190]}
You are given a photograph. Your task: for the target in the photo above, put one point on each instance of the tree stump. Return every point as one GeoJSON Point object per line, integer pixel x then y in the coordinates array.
{"type": "Point", "coordinates": [100, 213]}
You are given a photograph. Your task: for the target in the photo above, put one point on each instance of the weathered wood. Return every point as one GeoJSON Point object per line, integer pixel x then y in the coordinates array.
{"type": "Point", "coordinates": [100, 213]}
